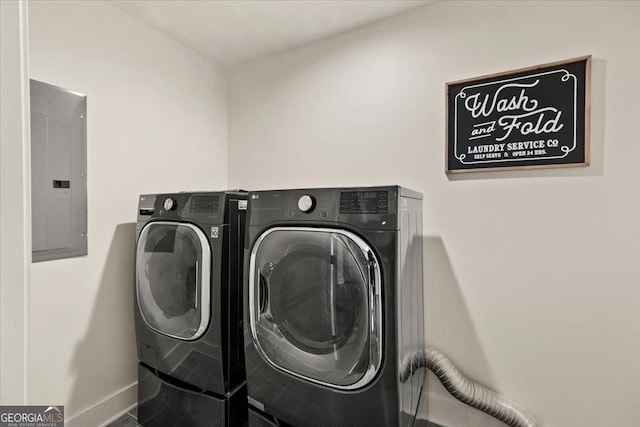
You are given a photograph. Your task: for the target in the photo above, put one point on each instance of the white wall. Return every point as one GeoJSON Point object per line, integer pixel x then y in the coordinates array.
{"type": "Point", "coordinates": [15, 237]}
{"type": "Point", "coordinates": [531, 277]}
{"type": "Point", "coordinates": [157, 122]}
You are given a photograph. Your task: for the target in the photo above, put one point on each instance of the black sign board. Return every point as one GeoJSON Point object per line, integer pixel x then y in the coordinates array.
{"type": "Point", "coordinates": [536, 117]}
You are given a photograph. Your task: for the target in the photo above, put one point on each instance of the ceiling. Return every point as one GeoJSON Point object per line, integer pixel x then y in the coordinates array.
{"type": "Point", "coordinates": [235, 32]}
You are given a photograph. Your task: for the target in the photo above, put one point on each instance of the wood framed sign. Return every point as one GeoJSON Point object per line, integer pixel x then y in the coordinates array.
{"type": "Point", "coordinates": [536, 117]}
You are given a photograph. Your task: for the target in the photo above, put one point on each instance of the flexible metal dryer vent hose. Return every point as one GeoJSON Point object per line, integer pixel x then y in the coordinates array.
{"type": "Point", "coordinates": [465, 390]}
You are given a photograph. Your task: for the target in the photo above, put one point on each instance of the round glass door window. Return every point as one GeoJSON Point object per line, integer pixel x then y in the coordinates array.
{"type": "Point", "coordinates": [315, 305]}
{"type": "Point", "coordinates": [172, 279]}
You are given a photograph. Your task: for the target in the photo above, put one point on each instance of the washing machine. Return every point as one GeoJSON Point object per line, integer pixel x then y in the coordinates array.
{"type": "Point", "coordinates": [188, 309]}
{"type": "Point", "coordinates": [333, 305]}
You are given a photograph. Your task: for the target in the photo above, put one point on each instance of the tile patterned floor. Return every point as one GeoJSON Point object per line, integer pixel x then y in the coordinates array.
{"type": "Point", "coordinates": [130, 419]}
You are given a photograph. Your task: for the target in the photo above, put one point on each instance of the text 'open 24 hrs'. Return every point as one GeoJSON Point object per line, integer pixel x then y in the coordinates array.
{"type": "Point", "coordinates": [529, 118]}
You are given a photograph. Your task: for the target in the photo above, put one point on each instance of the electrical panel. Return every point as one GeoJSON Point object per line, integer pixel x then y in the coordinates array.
{"type": "Point", "coordinates": [58, 172]}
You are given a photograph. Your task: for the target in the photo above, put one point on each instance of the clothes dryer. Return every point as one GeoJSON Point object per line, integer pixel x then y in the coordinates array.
{"type": "Point", "coordinates": [333, 303]}
{"type": "Point", "coordinates": [188, 309]}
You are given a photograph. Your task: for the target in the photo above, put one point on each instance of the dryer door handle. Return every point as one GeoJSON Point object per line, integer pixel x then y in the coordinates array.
{"type": "Point", "coordinates": [263, 292]}
{"type": "Point", "coordinates": [371, 263]}
{"type": "Point", "coordinates": [197, 293]}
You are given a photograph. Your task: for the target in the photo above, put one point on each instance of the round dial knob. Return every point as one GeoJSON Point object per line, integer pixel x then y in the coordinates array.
{"type": "Point", "coordinates": [306, 203]}
{"type": "Point", "coordinates": [169, 204]}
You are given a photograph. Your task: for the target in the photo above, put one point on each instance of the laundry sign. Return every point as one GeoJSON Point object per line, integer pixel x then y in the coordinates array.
{"type": "Point", "coordinates": [536, 117]}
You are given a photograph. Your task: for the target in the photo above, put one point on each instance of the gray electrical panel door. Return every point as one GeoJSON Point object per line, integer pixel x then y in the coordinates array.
{"type": "Point", "coordinates": [58, 172]}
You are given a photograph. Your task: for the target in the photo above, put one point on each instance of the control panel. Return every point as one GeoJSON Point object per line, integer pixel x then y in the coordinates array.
{"type": "Point", "coordinates": [364, 202]}
{"type": "Point", "coordinates": [199, 206]}
{"type": "Point", "coordinates": [371, 207]}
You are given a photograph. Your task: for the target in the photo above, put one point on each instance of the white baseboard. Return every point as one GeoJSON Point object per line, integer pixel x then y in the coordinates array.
{"type": "Point", "coordinates": [107, 410]}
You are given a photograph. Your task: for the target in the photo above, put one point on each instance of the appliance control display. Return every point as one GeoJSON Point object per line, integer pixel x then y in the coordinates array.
{"type": "Point", "coordinates": [364, 202]}
{"type": "Point", "coordinates": [204, 204]}
{"type": "Point", "coordinates": [169, 204]}
{"type": "Point", "coordinates": [306, 203]}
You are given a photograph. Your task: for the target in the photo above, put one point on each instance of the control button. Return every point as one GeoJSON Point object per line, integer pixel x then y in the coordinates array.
{"type": "Point", "coordinates": [169, 204]}
{"type": "Point", "coordinates": [323, 214]}
{"type": "Point", "coordinates": [306, 203]}
{"type": "Point", "coordinates": [291, 214]}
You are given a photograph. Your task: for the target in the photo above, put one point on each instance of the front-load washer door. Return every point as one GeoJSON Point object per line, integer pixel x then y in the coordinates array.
{"type": "Point", "coordinates": [315, 305]}
{"type": "Point", "coordinates": [173, 276]}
